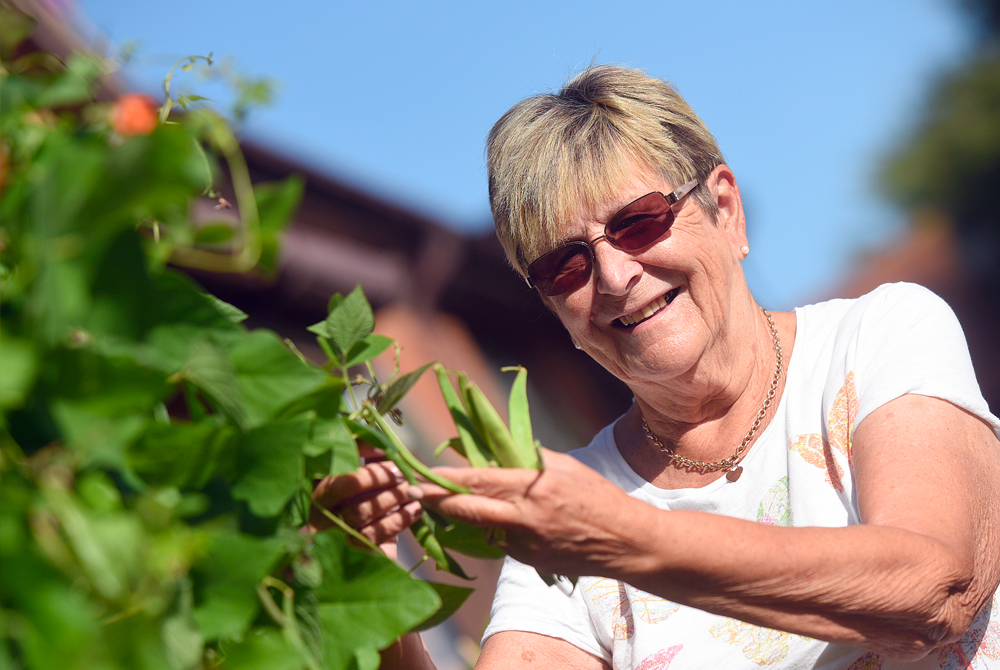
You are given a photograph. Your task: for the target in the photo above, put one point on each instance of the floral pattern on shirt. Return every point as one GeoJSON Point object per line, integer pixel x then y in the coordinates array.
{"type": "Point", "coordinates": [870, 661]}
{"type": "Point", "coordinates": [660, 660]}
{"type": "Point", "coordinates": [981, 642]}
{"type": "Point", "coordinates": [623, 604]}
{"type": "Point", "coordinates": [763, 646]}
{"type": "Point", "coordinates": [819, 451]}
{"type": "Point", "coordinates": [775, 509]}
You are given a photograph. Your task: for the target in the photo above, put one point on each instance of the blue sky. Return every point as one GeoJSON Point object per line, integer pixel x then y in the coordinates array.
{"type": "Point", "coordinates": [805, 98]}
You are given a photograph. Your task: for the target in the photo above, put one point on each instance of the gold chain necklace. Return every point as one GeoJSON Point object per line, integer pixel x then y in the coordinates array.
{"type": "Point", "coordinates": [732, 463]}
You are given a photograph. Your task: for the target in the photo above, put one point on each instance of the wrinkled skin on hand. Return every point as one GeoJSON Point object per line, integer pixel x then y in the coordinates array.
{"type": "Point", "coordinates": [566, 520]}
{"type": "Point", "coordinates": [372, 500]}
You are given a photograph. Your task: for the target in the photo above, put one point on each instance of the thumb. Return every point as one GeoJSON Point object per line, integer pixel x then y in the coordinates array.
{"type": "Point", "coordinates": [478, 510]}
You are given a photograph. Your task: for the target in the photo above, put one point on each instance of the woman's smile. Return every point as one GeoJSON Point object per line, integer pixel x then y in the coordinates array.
{"type": "Point", "coordinates": [648, 310]}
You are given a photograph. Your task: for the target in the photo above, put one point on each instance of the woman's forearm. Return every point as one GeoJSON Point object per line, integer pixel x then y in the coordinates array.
{"type": "Point", "coordinates": [886, 589]}
{"type": "Point", "coordinates": [910, 578]}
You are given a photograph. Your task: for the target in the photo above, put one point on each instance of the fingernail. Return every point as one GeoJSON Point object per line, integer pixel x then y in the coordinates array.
{"type": "Point", "coordinates": [414, 493]}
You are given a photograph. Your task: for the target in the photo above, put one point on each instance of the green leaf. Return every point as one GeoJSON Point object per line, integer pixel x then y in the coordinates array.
{"type": "Point", "coordinates": [150, 177]}
{"type": "Point", "coordinates": [366, 600]}
{"type": "Point", "coordinates": [101, 404]}
{"type": "Point", "coordinates": [209, 368]}
{"type": "Point", "coordinates": [124, 296]}
{"type": "Point", "coordinates": [185, 455]}
{"type": "Point", "coordinates": [276, 205]}
{"type": "Point", "coordinates": [277, 201]}
{"type": "Point", "coordinates": [100, 439]}
{"type": "Point", "coordinates": [19, 370]}
{"type": "Point", "coordinates": [231, 312]}
{"type": "Point", "coordinates": [349, 322]}
{"type": "Point", "coordinates": [226, 580]}
{"type": "Point", "coordinates": [327, 401]}
{"type": "Point", "coordinates": [270, 376]}
{"type": "Point", "coordinates": [465, 538]}
{"type": "Point", "coordinates": [98, 491]}
{"type": "Point", "coordinates": [270, 462]}
{"type": "Point", "coordinates": [73, 85]}
{"type": "Point", "coordinates": [214, 234]}
{"type": "Point", "coordinates": [183, 641]}
{"type": "Point", "coordinates": [184, 302]}
{"type": "Point", "coordinates": [399, 388]}
{"type": "Point", "coordinates": [452, 597]}
{"type": "Point", "coordinates": [331, 449]}
{"type": "Point", "coordinates": [263, 649]}
{"type": "Point", "coordinates": [132, 642]}
{"type": "Point", "coordinates": [367, 349]}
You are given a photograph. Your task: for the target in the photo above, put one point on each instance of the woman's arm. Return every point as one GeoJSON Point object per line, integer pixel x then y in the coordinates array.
{"type": "Point", "coordinates": [373, 501]}
{"type": "Point", "coordinates": [924, 561]}
{"type": "Point", "coordinates": [516, 650]}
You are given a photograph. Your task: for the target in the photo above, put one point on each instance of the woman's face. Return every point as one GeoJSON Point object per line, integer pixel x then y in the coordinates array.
{"type": "Point", "coordinates": [677, 294]}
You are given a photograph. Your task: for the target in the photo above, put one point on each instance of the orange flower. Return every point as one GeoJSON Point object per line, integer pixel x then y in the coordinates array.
{"type": "Point", "coordinates": [134, 114]}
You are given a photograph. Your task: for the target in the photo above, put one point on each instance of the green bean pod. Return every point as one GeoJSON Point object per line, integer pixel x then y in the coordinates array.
{"type": "Point", "coordinates": [387, 441]}
{"type": "Point", "coordinates": [495, 430]}
{"type": "Point", "coordinates": [452, 442]}
{"type": "Point", "coordinates": [472, 445]}
{"type": "Point", "coordinates": [424, 531]}
{"type": "Point", "coordinates": [519, 419]}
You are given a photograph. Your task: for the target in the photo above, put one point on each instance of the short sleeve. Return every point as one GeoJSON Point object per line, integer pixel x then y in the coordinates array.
{"type": "Point", "coordinates": [523, 602]}
{"type": "Point", "coordinates": [908, 340]}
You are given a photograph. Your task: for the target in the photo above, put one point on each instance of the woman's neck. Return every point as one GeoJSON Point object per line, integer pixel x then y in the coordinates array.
{"type": "Point", "coordinates": [705, 414]}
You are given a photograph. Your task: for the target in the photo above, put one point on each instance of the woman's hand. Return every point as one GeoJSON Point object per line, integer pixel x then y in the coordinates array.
{"type": "Point", "coordinates": [566, 519]}
{"type": "Point", "coordinates": [372, 500]}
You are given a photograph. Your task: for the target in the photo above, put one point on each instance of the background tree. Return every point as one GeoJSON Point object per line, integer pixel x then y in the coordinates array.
{"type": "Point", "coordinates": [950, 165]}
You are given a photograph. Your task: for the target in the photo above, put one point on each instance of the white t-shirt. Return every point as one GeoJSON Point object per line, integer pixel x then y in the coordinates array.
{"type": "Point", "coordinates": [850, 357]}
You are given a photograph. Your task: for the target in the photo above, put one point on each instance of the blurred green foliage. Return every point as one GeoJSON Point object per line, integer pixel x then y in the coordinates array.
{"type": "Point", "coordinates": [950, 164]}
{"type": "Point", "coordinates": [157, 457]}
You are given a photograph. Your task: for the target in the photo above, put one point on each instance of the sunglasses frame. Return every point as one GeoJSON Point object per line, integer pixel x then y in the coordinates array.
{"type": "Point", "coordinates": [671, 198]}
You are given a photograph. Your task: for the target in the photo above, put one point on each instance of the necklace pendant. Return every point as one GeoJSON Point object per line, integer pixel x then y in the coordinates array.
{"type": "Point", "coordinates": [735, 473]}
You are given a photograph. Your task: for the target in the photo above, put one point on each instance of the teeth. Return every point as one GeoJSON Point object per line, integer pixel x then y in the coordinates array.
{"type": "Point", "coordinates": [644, 313]}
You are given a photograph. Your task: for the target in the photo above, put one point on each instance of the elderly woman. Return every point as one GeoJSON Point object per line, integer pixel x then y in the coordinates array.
{"type": "Point", "coordinates": [813, 489]}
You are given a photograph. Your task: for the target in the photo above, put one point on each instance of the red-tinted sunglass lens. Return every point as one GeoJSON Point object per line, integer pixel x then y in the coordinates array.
{"type": "Point", "coordinates": [561, 270]}
{"type": "Point", "coordinates": [640, 223]}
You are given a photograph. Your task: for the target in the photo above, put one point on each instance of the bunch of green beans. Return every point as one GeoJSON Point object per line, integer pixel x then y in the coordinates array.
{"type": "Point", "coordinates": [483, 438]}
{"type": "Point", "coordinates": [485, 441]}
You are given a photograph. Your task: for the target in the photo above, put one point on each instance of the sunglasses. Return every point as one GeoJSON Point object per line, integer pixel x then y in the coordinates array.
{"type": "Point", "coordinates": [635, 226]}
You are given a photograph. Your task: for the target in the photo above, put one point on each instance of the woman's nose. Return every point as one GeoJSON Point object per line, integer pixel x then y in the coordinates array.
{"type": "Point", "coordinates": [615, 271]}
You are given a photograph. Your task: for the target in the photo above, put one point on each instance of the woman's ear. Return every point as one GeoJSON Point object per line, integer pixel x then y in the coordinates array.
{"type": "Point", "coordinates": [722, 183]}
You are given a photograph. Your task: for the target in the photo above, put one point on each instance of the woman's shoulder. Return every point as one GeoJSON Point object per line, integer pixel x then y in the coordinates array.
{"type": "Point", "coordinates": [885, 295]}
{"type": "Point", "coordinates": [886, 308]}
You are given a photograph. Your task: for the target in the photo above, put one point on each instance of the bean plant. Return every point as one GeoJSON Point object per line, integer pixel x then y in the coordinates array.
{"type": "Point", "coordinates": [157, 457]}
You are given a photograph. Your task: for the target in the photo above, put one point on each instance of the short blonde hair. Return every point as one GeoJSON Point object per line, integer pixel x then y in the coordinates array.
{"type": "Point", "coordinates": [552, 154]}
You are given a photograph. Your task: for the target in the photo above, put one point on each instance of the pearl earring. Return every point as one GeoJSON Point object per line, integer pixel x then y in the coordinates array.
{"type": "Point", "coordinates": [745, 250]}
{"type": "Point", "coordinates": [575, 344]}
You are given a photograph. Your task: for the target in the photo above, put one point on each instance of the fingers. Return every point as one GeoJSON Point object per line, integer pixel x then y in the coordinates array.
{"type": "Point", "coordinates": [372, 477]}
{"type": "Point", "coordinates": [510, 484]}
{"type": "Point", "coordinates": [493, 502]}
{"type": "Point", "coordinates": [385, 529]}
{"type": "Point", "coordinates": [361, 510]}
{"type": "Point", "coordinates": [363, 498]}
{"type": "Point", "coordinates": [504, 483]}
